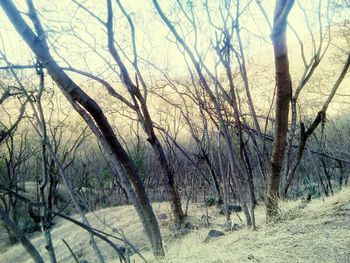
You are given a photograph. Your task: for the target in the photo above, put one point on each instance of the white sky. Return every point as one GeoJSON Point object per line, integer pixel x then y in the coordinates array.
{"type": "Point", "coordinates": [151, 33]}
{"type": "Point", "coordinates": [60, 17]}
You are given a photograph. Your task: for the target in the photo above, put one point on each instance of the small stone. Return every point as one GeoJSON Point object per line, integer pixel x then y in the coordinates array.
{"type": "Point", "coordinates": [188, 225]}
{"type": "Point", "coordinates": [122, 250]}
{"type": "Point", "coordinates": [162, 216]}
{"type": "Point", "coordinates": [125, 251]}
{"type": "Point", "coordinates": [213, 234]}
{"type": "Point", "coordinates": [301, 206]}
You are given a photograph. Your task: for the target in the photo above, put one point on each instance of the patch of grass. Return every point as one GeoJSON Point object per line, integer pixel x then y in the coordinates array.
{"type": "Point", "coordinates": [315, 234]}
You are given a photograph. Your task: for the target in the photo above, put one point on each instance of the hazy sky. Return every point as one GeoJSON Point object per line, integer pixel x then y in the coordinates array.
{"type": "Point", "coordinates": [66, 23]}
{"type": "Point", "coordinates": [60, 16]}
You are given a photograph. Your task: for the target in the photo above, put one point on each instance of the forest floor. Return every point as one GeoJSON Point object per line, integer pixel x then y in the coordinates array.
{"type": "Point", "coordinates": [319, 232]}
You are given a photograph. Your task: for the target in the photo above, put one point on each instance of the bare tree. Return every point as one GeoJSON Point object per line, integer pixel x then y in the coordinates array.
{"type": "Point", "coordinates": [239, 164]}
{"type": "Point", "coordinates": [284, 91]}
{"type": "Point", "coordinates": [92, 114]}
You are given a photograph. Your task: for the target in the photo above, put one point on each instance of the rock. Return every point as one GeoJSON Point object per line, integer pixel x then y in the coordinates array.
{"type": "Point", "coordinates": [188, 225]}
{"type": "Point", "coordinates": [122, 250]}
{"type": "Point", "coordinates": [230, 209]}
{"type": "Point", "coordinates": [301, 206]}
{"type": "Point", "coordinates": [213, 234]}
{"type": "Point", "coordinates": [250, 256]}
{"type": "Point", "coordinates": [162, 216]}
{"type": "Point", "coordinates": [125, 251]}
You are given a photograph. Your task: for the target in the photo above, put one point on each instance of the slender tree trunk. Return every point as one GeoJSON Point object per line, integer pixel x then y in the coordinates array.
{"type": "Point", "coordinates": [42, 123]}
{"type": "Point", "coordinates": [328, 176]}
{"type": "Point", "coordinates": [223, 179]}
{"type": "Point", "coordinates": [318, 172]}
{"type": "Point", "coordinates": [173, 194]}
{"type": "Point", "coordinates": [144, 115]}
{"type": "Point", "coordinates": [45, 216]}
{"type": "Point", "coordinates": [320, 117]}
{"type": "Point", "coordinates": [74, 199]}
{"type": "Point", "coordinates": [214, 176]}
{"type": "Point", "coordinates": [293, 169]}
{"type": "Point", "coordinates": [284, 91]}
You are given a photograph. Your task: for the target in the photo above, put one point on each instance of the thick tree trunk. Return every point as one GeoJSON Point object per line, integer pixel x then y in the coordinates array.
{"type": "Point", "coordinates": [138, 196]}
{"type": "Point", "coordinates": [284, 91]}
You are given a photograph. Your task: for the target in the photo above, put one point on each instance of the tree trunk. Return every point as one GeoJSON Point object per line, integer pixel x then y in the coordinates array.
{"type": "Point", "coordinates": [173, 194]}
{"type": "Point", "coordinates": [214, 176]}
{"type": "Point", "coordinates": [144, 117]}
{"type": "Point", "coordinates": [138, 196]}
{"type": "Point", "coordinates": [284, 91]}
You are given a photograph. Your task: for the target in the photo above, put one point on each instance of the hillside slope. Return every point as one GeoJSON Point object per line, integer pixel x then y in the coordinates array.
{"type": "Point", "coordinates": [320, 232]}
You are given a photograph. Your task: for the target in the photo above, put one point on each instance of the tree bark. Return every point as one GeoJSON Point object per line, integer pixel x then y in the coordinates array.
{"type": "Point", "coordinates": [284, 91]}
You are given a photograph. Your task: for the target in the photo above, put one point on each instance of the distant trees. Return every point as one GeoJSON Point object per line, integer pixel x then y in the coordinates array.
{"type": "Point", "coordinates": [13, 157]}
{"type": "Point", "coordinates": [221, 104]}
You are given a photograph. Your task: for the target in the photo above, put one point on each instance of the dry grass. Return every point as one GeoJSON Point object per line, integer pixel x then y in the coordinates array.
{"type": "Point", "coordinates": [317, 233]}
